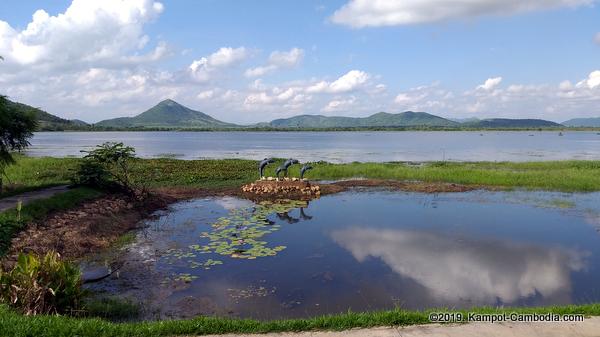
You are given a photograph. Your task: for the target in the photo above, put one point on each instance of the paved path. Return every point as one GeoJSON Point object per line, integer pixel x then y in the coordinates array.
{"type": "Point", "coordinates": [27, 197]}
{"type": "Point", "coordinates": [589, 328]}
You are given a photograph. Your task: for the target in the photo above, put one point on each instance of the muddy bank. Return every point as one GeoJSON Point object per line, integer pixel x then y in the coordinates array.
{"type": "Point", "coordinates": [90, 227]}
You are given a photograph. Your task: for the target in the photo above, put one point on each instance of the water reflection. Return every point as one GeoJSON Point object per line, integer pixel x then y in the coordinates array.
{"type": "Point", "coordinates": [483, 271]}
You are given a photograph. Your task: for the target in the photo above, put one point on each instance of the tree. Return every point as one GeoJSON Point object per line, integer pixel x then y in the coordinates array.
{"type": "Point", "coordinates": [16, 128]}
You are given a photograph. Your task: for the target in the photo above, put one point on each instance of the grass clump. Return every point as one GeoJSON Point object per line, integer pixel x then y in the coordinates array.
{"type": "Point", "coordinates": [41, 285]}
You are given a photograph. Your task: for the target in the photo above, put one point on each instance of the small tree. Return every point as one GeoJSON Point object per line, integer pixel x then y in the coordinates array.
{"type": "Point", "coordinates": [16, 128]}
{"type": "Point", "coordinates": [109, 166]}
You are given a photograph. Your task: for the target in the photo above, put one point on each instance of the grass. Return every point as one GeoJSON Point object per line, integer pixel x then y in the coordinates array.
{"type": "Point", "coordinates": [566, 176]}
{"type": "Point", "coordinates": [13, 324]}
{"type": "Point", "coordinates": [111, 308]}
{"type": "Point", "coordinates": [35, 173]}
{"type": "Point", "coordinates": [11, 223]}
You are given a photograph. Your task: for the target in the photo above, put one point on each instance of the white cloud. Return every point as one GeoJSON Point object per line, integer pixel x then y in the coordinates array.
{"type": "Point", "coordinates": [347, 82]}
{"type": "Point", "coordinates": [204, 68]}
{"type": "Point", "coordinates": [338, 105]}
{"type": "Point", "coordinates": [374, 13]}
{"type": "Point", "coordinates": [557, 102]}
{"type": "Point", "coordinates": [278, 60]}
{"type": "Point", "coordinates": [89, 32]}
{"type": "Point", "coordinates": [490, 83]}
{"type": "Point", "coordinates": [592, 82]}
{"type": "Point", "coordinates": [207, 94]}
{"type": "Point", "coordinates": [597, 38]}
{"type": "Point", "coordinates": [565, 85]}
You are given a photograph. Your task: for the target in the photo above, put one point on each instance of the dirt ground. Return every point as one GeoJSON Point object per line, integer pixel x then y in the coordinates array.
{"type": "Point", "coordinates": [95, 225]}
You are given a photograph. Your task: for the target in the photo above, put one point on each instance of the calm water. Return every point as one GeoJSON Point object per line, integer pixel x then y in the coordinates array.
{"type": "Point", "coordinates": [334, 146]}
{"type": "Point", "coordinates": [377, 250]}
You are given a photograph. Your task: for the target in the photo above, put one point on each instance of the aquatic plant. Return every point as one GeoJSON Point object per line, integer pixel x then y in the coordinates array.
{"type": "Point", "coordinates": [238, 235]}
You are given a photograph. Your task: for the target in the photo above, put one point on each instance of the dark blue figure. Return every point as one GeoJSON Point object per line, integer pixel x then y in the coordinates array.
{"type": "Point", "coordinates": [304, 168]}
{"type": "Point", "coordinates": [284, 168]}
{"type": "Point", "coordinates": [263, 164]}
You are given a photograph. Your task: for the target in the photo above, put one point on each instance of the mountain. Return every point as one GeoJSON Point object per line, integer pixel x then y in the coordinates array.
{"type": "Point", "coordinates": [381, 119]}
{"type": "Point", "coordinates": [48, 122]}
{"type": "Point", "coordinates": [166, 114]}
{"type": "Point", "coordinates": [511, 123]}
{"type": "Point", "coordinates": [583, 122]}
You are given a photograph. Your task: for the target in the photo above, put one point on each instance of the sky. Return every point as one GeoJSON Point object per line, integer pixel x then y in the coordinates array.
{"type": "Point", "coordinates": [254, 61]}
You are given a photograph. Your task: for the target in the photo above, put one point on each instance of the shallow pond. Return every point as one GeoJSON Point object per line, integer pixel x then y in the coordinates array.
{"type": "Point", "coordinates": [362, 250]}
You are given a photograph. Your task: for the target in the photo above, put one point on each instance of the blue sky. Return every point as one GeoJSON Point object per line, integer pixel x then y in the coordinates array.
{"type": "Point", "coordinates": [259, 60]}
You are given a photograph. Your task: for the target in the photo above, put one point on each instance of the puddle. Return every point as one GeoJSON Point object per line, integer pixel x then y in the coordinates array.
{"type": "Point", "coordinates": [360, 250]}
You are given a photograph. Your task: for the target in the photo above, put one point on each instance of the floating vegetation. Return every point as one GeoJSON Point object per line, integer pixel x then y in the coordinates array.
{"type": "Point", "coordinates": [206, 265]}
{"type": "Point", "coordinates": [249, 292]}
{"type": "Point", "coordinates": [182, 277]}
{"type": "Point", "coordinates": [239, 235]}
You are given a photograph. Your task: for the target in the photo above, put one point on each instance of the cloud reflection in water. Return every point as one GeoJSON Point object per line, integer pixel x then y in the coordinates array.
{"type": "Point", "coordinates": [483, 271]}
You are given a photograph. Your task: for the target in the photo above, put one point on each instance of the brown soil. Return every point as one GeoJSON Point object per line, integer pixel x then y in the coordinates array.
{"type": "Point", "coordinates": [91, 226]}
{"type": "Point", "coordinates": [95, 225]}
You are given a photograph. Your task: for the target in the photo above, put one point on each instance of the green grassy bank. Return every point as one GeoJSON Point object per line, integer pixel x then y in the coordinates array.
{"type": "Point", "coordinates": [13, 324]}
{"type": "Point", "coordinates": [568, 176]}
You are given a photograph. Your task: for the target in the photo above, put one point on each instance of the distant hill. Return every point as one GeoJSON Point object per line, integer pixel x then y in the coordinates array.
{"type": "Point", "coordinates": [381, 119]}
{"type": "Point", "coordinates": [583, 122]}
{"type": "Point", "coordinates": [465, 120]}
{"type": "Point", "coordinates": [166, 114]}
{"type": "Point", "coordinates": [510, 123]}
{"type": "Point", "coordinates": [48, 122]}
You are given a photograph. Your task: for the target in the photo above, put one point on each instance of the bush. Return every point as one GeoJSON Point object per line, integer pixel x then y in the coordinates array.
{"type": "Point", "coordinates": [108, 167]}
{"type": "Point", "coordinates": [41, 285]}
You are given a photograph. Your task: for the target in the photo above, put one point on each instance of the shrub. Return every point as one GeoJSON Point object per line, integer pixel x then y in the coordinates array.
{"type": "Point", "coordinates": [108, 167]}
{"type": "Point", "coordinates": [41, 285]}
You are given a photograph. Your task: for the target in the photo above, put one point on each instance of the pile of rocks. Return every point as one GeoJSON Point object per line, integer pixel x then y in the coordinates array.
{"type": "Point", "coordinates": [287, 187]}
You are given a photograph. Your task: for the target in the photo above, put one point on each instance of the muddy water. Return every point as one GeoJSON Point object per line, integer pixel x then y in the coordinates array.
{"type": "Point", "coordinates": [361, 250]}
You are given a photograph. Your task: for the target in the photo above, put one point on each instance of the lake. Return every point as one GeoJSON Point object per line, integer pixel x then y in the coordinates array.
{"type": "Point", "coordinates": [377, 250]}
{"type": "Point", "coordinates": [335, 147]}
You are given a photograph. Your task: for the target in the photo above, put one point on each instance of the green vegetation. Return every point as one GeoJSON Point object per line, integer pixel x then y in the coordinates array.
{"type": "Point", "coordinates": [35, 173]}
{"type": "Point", "coordinates": [46, 121]}
{"type": "Point", "coordinates": [11, 222]}
{"type": "Point", "coordinates": [108, 167]}
{"type": "Point", "coordinates": [111, 308]}
{"type": "Point", "coordinates": [13, 324]}
{"type": "Point", "coordinates": [195, 173]}
{"type": "Point", "coordinates": [558, 176]}
{"type": "Point", "coordinates": [568, 176]}
{"type": "Point", "coordinates": [381, 119]}
{"type": "Point", "coordinates": [15, 130]}
{"type": "Point", "coordinates": [41, 285]}
{"type": "Point", "coordinates": [167, 113]}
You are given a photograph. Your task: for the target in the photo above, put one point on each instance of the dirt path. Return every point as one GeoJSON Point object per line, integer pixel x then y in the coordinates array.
{"type": "Point", "coordinates": [589, 328]}
{"type": "Point", "coordinates": [27, 197]}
